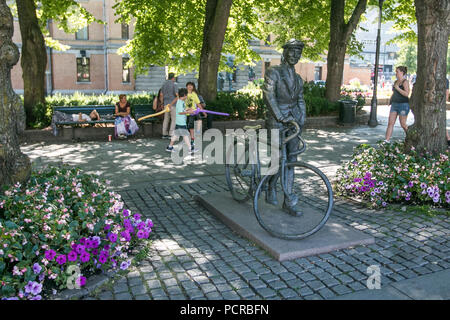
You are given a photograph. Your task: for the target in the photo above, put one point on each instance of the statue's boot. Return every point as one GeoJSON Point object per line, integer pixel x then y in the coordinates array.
{"type": "Point", "coordinates": [290, 205]}
{"type": "Point", "coordinates": [292, 210]}
{"type": "Point", "coordinates": [271, 196]}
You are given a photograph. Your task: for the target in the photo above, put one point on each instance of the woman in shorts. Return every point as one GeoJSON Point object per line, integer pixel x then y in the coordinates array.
{"type": "Point", "coordinates": [399, 102]}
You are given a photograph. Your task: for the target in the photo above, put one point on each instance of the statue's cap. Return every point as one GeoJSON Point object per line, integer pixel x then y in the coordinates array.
{"type": "Point", "coordinates": [294, 43]}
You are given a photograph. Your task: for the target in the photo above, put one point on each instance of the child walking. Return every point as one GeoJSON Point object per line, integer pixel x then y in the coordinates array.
{"type": "Point", "coordinates": [180, 122]}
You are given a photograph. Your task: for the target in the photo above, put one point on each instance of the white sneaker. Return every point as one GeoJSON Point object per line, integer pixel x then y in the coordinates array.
{"type": "Point", "coordinates": [387, 141]}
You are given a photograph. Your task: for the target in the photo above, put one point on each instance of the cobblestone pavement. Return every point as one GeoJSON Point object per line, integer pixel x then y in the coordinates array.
{"type": "Point", "coordinates": [195, 256]}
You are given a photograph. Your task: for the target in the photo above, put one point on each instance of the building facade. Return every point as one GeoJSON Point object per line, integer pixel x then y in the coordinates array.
{"type": "Point", "coordinates": [93, 66]}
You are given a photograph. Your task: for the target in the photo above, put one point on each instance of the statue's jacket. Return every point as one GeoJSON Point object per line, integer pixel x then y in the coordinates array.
{"type": "Point", "coordinates": [283, 95]}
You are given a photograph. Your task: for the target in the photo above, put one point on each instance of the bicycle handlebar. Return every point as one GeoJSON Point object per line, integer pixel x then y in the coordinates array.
{"type": "Point", "coordinates": [296, 134]}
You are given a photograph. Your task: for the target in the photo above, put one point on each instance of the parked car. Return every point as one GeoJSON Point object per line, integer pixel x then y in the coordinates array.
{"type": "Point", "coordinates": [320, 82]}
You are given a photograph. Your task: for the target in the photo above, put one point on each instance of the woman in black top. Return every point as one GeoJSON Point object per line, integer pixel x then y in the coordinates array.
{"type": "Point", "coordinates": [399, 102]}
{"type": "Point", "coordinates": [124, 125]}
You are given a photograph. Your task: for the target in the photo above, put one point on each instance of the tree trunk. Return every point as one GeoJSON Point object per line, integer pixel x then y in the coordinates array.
{"type": "Point", "coordinates": [34, 57]}
{"type": "Point", "coordinates": [340, 33]}
{"type": "Point", "coordinates": [216, 20]}
{"type": "Point", "coordinates": [428, 95]}
{"type": "Point", "coordinates": [14, 165]}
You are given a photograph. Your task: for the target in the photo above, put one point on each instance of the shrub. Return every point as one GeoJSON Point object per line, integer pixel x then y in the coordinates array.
{"type": "Point", "coordinates": [62, 221]}
{"type": "Point", "coordinates": [387, 174]}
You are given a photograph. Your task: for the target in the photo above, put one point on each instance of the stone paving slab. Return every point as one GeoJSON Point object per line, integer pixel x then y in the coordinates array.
{"type": "Point", "coordinates": [239, 217]}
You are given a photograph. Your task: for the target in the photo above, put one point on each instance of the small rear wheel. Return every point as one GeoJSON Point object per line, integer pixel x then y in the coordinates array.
{"type": "Point", "coordinates": [239, 172]}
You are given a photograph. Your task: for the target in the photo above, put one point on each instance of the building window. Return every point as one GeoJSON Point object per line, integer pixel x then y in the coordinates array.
{"type": "Point", "coordinates": [317, 73]}
{"type": "Point", "coordinates": [125, 31]}
{"type": "Point", "coordinates": [82, 34]}
{"type": "Point", "coordinates": [125, 71]}
{"type": "Point", "coordinates": [83, 70]}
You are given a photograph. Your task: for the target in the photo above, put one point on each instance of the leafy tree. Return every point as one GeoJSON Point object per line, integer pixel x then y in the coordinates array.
{"type": "Point", "coordinates": [33, 16]}
{"type": "Point", "coordinates": [408, 57]}
{"type": "Point", "coordinates": [187, 36]}
{"type": "Point", "coordinates": [323, 26]}
{"type": "Point", "coordinates": [428, 95]}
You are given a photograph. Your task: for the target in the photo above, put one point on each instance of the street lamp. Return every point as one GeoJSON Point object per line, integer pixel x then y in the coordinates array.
{"type": "Point", "coordinates": [373, 106]}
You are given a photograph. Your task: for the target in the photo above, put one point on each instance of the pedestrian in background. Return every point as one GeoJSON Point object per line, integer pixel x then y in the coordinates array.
{"type": "Point", "coordinates": [399, 102]}
{"type": "Point", "coordinates": [170, 93]}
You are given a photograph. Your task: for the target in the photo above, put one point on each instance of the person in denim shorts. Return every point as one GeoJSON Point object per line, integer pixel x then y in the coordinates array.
{"type": "Point", "coordinates": [399, 102]}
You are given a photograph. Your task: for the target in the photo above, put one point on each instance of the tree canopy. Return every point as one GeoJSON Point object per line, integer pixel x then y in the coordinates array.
{"type": "Point", "coordinates": [171, 32]}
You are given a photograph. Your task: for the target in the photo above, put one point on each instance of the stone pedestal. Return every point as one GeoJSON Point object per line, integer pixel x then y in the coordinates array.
{"type": "Point", "coordinates": [241, 219]}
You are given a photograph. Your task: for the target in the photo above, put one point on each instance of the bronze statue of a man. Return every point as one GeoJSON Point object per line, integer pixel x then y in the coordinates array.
{"type": "Point", "coordinates": [283, 95]}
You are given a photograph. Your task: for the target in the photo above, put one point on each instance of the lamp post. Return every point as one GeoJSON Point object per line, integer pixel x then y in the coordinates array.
{"type": "Point", "coordinates": [373, 106]}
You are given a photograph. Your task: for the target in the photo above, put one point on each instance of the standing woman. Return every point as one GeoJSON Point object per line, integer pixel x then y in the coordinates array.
{"type": "Point", "coordinates": [124, 125]}
{"type": "Point", "coordinates": [399, 102]}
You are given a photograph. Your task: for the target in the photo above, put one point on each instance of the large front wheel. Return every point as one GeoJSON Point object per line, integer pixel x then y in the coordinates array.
{"type": "Point", "coordinates": [311, 194]}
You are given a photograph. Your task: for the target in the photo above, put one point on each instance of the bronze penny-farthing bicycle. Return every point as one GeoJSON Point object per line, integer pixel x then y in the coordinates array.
{"type": "Point", "coordinates": [311, 189]}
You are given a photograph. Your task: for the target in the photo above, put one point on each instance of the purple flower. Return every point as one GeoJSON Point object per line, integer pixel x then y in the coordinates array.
{"type": "Point", "coordinates": [72, 256]}
{"type": "Point", "coordinates": [42, 277]}
{"type": "Point", "coordinates": [125, 213]}
{"type": "Point", "coordinates": [81, 281]}
{"type": "Point", "coordinates": [95, 252]}
{"type": "Point", "coordinates": [124, 265]}
{"type": "Point", "coordinates": [37, 268]}
{"type": "Point", "coordinates": [125, 235]}
{"type": "Point", "coordinates": [85, 256]}
{"type": "Point", "coordinates": [373, 193]}
{"type": "Point", "coordinates": [380, 183]}
{"type": "Point", "coordinates": [112, 237]}
{"type": "Point", "coordinates": [80, 249]}
{"type": "Point", "coordinates": [50, 254]}
{"type": "Point", "coordinates": [384, 204]}
{"type": "Point", "coordinates": [127, 223]}
{"type": "Point", "coordinates": [37, 288]}
{"type": "Point", "coordinates": [38, 297]}
{"type": "Point", "coordinates": [61, 259]}
{"type": "Point", "coordinates": [140, 234]}
{"type": "Point", "coordinates": [137, 216]}
{"type": "Point", "coordinates": [95, 244]}
{"type": "Point", "coordinates": [102, 259]}
{"type": "Point", "coordinates": [423, 185]}
{"type": "Point", "coordinates": [83, 241]}
{"type": "Point", "coordinates": [107, 227]}
{"type": "Point", "coordinates": [149, 223]}
{"type": "Point", "coordinates": [29, 287]}
{"type": "Point", "coordinates": [410, 184]}
{"type": "Point", "coordinates": [141, 225]}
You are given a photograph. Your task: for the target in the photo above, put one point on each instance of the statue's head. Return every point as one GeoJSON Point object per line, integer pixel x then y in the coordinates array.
{"type": "Point", "coordinates": [292, 51]}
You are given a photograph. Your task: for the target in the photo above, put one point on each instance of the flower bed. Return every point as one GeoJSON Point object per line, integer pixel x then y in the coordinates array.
{"type": "Point", "coordinates": [60, 227]}
{"type": "Point", "coordinates": [386, 175]}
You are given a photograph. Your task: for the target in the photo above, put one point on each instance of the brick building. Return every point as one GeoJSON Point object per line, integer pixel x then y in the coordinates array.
{"type": "Point", "coordinates": [92, 64]}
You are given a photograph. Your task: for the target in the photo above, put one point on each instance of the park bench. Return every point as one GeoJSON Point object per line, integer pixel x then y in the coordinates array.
{"type": "Point", "coordinates": [142, 110]}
